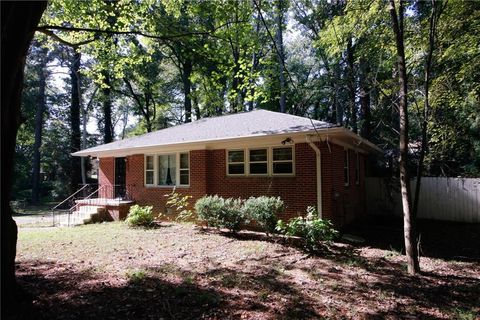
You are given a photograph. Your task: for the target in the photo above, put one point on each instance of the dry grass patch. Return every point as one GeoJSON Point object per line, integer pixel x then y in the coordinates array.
{"type": "Point", "coordinates": [178, 271]}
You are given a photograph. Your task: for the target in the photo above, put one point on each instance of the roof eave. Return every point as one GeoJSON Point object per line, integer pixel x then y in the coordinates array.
{"type": "Point", "coordinates": [202, 143]}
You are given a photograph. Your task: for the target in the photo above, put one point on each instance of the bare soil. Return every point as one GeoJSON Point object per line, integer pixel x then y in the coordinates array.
{"type": "Point", "coordinates": [179, 271]}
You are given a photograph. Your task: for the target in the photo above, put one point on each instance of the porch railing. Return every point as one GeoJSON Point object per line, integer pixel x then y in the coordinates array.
{"type": "Point", "coordinates": [77, 204]}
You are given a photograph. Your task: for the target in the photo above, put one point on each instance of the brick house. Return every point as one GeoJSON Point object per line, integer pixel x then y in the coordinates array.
{"type": "Point", "coordinates": [305, 162]}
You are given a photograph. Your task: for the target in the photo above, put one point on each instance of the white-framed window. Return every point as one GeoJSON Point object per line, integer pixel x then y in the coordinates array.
{"type": "Point", "coordinates": [346, 168]}
{"type": "Point", "coordinates": [266, 161]}
{"type": "Point", "coordinates": [357, 168]}
{"type": "Point", "coordinates": [184, 169]}
{"type": "Point", "coordinates": [282, 160]}
{"type": "Point", "coordinates": [171, 169]}
{"type": "Point", "coordinates": [258, 161]}
{"type": "Point", "coordinates": [167, 170]}
{"type": "Point", "coordinates": [150, 170]}
{"type": "Point", "coordinates": [236, 162]}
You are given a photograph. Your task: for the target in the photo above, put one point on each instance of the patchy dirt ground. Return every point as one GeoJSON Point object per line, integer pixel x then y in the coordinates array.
{"type": "Point", "coordinates": [178, 271]}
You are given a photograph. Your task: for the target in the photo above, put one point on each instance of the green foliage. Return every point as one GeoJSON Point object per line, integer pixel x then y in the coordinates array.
{"type": "Point", "coordinates": [136, 276]}
{"type": "Point", "coordinates": [264, 210]}
{"type": "Point", "coordinates": [311, 229]}
{"type": "Point", "coordinates": [220, 213]}
{"type": "Point", "coordinates": [140, 216]}
{"type": "Point", "coordinates": [180, 204]}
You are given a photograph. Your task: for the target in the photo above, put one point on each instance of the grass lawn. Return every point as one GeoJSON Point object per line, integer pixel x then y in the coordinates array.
{"type": "Point", "coordinates": [178, 271]}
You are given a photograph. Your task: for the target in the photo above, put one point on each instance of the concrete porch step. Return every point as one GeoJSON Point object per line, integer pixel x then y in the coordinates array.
{"type": "Point", "coordinates": [85, 215]}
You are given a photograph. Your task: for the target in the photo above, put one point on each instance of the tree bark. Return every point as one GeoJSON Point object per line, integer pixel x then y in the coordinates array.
{"type": "Point", "coordinates": [426, 110]}
{"type": "Point", "coordinates": [107, 109]}
{"type": "Point", "coordinates": [75, 140]}
{"type": "Point", "coordinates": [351, 86]}
{"type": "Point", "coordinates": [19, 20]}
{"type": "Point", "coordinates": [408, 220]}
{"type": "Point", "coordinates": [281, 55]}
{"type": "Point", "coordinates": [40, 110]}
{"type": "Point", "coordinates": [187, 72]}
{"type": "Point", "coordinates": [365, 115]}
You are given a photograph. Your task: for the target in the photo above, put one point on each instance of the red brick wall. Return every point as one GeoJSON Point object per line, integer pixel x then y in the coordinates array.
{"type": "Point", "coordinates": [341, 204]}
{"type": "Point", "coordinates": [156, 195]}
{"type": "Point", "coordinates": [106, 176]}
{"type": "Point", "coordinates": [208, 176]}
{"type": "Point", "coordinates": [297, 192]}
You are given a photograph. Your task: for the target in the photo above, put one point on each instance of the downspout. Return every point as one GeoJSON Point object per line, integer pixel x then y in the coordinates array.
{"type": "Point", "coordinates": [319, 175]}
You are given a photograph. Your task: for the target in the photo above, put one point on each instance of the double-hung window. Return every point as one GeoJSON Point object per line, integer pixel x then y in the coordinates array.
{"type": "Point", "coordinates": [261, 161]}
{"type": "Point", "coordinates": [184, 169]}
{"type": "Point", "coordinates": [236, 162]}
{"type": "Point", "coordinates": [167, 169]}
{"type": "Point", "coordinates": [258, 161]}
{"type": "Point", "coordinates": [282, 160]}
{"type": "Point", "coordinates": [149, 170]}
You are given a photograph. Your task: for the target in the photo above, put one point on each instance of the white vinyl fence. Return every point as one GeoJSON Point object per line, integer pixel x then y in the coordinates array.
{"type": "Point", "coordinates": [452, 199]}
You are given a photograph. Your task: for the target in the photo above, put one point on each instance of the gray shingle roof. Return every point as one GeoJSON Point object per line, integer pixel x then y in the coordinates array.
{"type": "Point", "coordinates": [253, 123]}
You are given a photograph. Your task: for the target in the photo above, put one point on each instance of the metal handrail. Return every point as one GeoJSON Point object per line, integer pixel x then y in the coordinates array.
{"type": "Point", "coordinates": [73, 194]}
{"type": "Point", "coordinates": [88, 197]}
{"type": "Point", "coordinates": [72, 209]}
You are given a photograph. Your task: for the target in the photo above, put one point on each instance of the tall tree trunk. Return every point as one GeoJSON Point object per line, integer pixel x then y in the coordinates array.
{"type": "Point", "coordinates": [254, 67]}
{"type": "Point", "coordinates": [19, 20]}
{"type": "Point", "coordinates": [196, 107]}
{"type": "Point", "coordinates": [281, 55]}
{"type": "Point", "coordinates": [351, 86]}
{"type": "Point", "coordinates": [84, 132]}
{"type": "Point", "coordinates": [365, 115]}
{"type": "Point", "coordinates": [408, 219]}
{"type": "Point", "coordinates": [337, 107]}
{"type": "Point", "coordinates": [41, 106]}
{"type": "Point", "coordinates": [107, 109]}
{"type": "Point", "coordinates": [426, 111]}
{"type": "Point", "coordinates": [75, 169]}
{"type": "Point", "coordinates": [187, 72]}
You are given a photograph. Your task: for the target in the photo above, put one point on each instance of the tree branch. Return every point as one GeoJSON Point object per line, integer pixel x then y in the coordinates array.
{"type": "Point", "coordinates": [112, 32]}
{"type": "Point", "coordinates": [51, 34]}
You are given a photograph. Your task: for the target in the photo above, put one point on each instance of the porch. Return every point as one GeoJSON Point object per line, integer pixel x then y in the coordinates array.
{"type": "Point", "coordinates": [91, 203]}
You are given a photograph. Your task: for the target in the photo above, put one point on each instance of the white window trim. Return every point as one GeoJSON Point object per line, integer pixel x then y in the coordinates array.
{"type": "Point", "coordinates": [155, 170]}
{"type": "Point", "coordinates": [145, 170]}
{"type": "Point", "coordinates": [284, 161]}
{"type": "Point", "coordinates": [180, 169]}
{"type": "Point", "coordinates": [246, 163]}
{"type": "Point", "coordinates": [346, 155]}
{"type": "Point", "coordinates": [267, 162]}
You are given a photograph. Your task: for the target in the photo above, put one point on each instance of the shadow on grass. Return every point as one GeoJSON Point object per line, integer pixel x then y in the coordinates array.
{"type": "Point", "coordinates": [267, 285]}
{"type": "Point", "coordinates": [61, 292]}
{"type": "Point", "coordinates": [438, 239]}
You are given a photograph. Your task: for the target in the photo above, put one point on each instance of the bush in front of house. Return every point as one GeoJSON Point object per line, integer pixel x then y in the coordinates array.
{"type": "Point", "coordinates": [139, 216]}
{"type": "Point", "coordinates": [218, 212]}
{"type": "Point", "coordinates": [311, 229]}
{"type": "Point", "coordinates": [180, 205]}
{"type": "Point", "coordinates": [264, 211]}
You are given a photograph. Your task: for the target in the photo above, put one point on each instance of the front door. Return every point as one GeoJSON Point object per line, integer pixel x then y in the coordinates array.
{"type": "Point", "coordinates": [120, 170]}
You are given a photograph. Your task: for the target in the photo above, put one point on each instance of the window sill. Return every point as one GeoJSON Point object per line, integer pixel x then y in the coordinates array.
{"type": "Point", "coordinates": [166, 187]}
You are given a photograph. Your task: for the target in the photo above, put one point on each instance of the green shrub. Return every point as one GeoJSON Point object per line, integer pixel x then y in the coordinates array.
{"type": "Point", "coordinates": [140, 216]}
{"type": "Point", "coordinates": [180, 203]}
{"type": "Point", "coordinates": [264, 211]}
{"type": "Point", "coordinates": [220, 213]}
{"type": "Point", "coordinates": [232, 216]}
{"type": "Point", "coordinates": [311, 229]}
